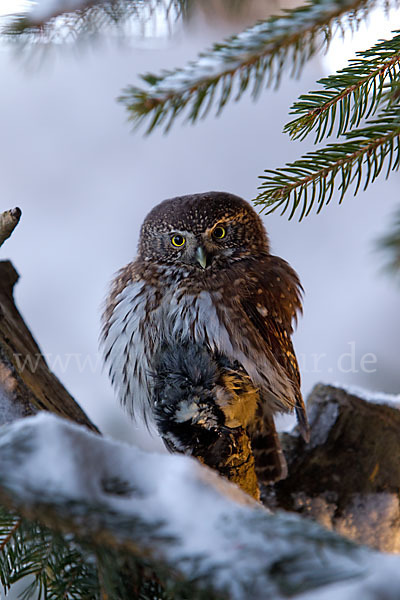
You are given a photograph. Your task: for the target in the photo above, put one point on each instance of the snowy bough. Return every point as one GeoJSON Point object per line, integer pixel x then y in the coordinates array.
{"type": "Point", "coordinates": [129, 519]}
{"type": "Point", "coordinates": [93, 518]}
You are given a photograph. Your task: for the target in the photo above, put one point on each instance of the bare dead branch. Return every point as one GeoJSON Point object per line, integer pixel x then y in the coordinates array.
{"type": "Point", "coordinates": [9, 219]}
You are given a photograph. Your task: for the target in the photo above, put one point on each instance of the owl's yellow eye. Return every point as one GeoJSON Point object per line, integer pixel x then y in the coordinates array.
{"type": "Point", "coordinates": [178, 241]}
{"type": "Point", "coordinates": [219, 232]}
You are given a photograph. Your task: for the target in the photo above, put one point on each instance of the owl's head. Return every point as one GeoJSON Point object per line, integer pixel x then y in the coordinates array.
{"type": "Point", "coordinates": [203, 230]}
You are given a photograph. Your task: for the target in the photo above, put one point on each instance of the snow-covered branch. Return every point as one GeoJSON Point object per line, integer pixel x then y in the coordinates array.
{"type": "Point", "coordinates": [175, 512]}
{"type": "Point", "coordinates": [48, 21]}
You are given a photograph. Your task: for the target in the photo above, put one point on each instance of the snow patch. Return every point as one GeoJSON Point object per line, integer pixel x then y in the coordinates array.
{"type": "Point", "coordinates": [371, 396]}
{"type": "Point", "coordinates": [214, 527]}
{"type": "Point", "coordinates": [322, 422]}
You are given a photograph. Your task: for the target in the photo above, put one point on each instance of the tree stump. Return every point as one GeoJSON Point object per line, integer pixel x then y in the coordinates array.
{"type": "Point", "coordinates": [348, 476]}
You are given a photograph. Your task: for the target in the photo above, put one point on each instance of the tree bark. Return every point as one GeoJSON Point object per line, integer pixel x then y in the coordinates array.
{"type": "Point", "coordinates": [9, 219]}
{"type": "Point", "coordinates": [26, 383]}
{"type": "Point", "coordinates": [348, 477]}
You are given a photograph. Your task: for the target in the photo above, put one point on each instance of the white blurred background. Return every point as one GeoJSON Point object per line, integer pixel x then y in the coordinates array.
{"type": "Point", "coordinates": [85, 182]}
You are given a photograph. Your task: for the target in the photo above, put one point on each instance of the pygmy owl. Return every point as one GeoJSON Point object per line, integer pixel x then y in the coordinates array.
{"type": "Point", "coordinates": [197, 332]}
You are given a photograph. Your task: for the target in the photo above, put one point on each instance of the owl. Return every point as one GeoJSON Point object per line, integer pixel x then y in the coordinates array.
{"type": "Point", "coordinates": [197, 333]}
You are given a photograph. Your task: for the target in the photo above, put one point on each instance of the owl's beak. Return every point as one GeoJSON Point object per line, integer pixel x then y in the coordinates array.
{"type": "Point", "coordinates": [201, 257]}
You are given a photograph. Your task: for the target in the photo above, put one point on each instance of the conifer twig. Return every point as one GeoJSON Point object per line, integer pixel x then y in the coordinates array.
{"type": "Point", "coordinates": [10, 534]}
{"type": "Point", "coordinates": [351, 94]}
{"type": "Point", "coordinates": [254, 58]}
{"type": "Point", "coordinates": [67, 21]}
{"type": "Point", "coordinates": [312, 178]}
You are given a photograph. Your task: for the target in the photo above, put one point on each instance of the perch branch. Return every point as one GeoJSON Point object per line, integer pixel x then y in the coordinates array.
{"type": "Point", "coordinates": [26, 383]}
{"type": "Point", "coordinates": [9, 219]}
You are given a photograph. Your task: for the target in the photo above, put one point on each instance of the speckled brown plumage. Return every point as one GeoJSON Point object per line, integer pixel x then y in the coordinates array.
{"type": "Point", "coordinates": [222, 300]}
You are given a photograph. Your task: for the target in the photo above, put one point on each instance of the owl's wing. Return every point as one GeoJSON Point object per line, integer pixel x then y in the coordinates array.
{"type": "Point", "coordinates": [272, 312]}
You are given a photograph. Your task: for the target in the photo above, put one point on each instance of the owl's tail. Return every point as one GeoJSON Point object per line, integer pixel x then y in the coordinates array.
{"type": "Point", "coordinates": [270, 463]}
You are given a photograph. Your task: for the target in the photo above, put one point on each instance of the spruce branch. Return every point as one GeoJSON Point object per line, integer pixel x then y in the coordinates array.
{"type": "Point", "coordinates": [59, 568]}
{"type": "Point", "coordinates": [349, 95]}
{"type": "Point", "coordinates": [312, 178]}
{"type": "Point", "coordinates": [89, 17]}
{"type": "Point", "coordinates": [252, 59]}
{"type": "Point", "coordinates": [13, 523]}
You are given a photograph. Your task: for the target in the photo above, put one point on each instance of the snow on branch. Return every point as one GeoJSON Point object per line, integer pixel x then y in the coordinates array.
{"type": "Point", "coordinates": [170, 509]}
{"type": "Point", "coordinates": [178, 513]}
{"type": "Point", "coordinates": [253, 59]}
{"type": "Point", "coordinates": [49, 21]}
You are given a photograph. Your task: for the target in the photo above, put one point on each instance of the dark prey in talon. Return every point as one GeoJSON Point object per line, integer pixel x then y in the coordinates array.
{"type": "Point", "coordinates": [197, 336]}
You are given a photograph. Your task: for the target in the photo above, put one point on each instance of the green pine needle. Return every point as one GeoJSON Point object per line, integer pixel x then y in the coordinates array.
{"type": "Point", "coordinates": [70, 568]}
{"type": "Point", "coordinates": [312, 179]}
{"type": "Point", "coordinates": [59, 569]}
{"type": "Point", "coordinates": [348, 96]}
{"type": "Point", "coordinates": [252, 59]}
{"type": "Point", "coordinates": [90, 18]}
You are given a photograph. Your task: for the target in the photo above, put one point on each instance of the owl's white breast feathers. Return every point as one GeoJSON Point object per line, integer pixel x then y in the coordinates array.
{"type": "Point", "coordinates": [189, 318]}
{"type": "Point", "coordinates": [124, 345]}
